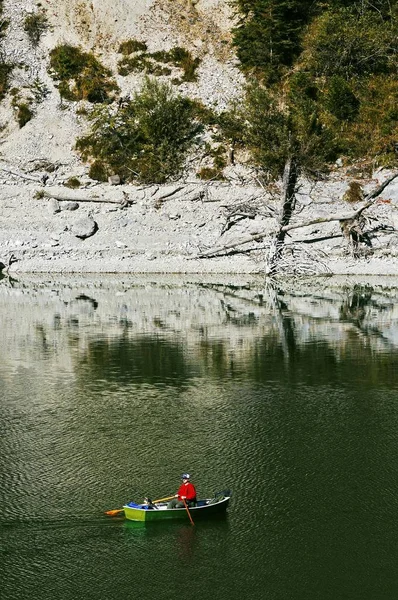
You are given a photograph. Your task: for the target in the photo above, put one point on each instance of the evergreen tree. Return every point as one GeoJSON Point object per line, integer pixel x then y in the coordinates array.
{"type": "Point", "coordinates": [329, 70]}
{"type": "Point", "coordinates": [287, 126]}
{"type": "Point", "coordinates": [268, 34]}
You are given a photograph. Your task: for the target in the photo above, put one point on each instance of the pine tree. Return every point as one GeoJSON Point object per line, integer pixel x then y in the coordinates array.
{"type": "Point", "coordinates": [268, 34]}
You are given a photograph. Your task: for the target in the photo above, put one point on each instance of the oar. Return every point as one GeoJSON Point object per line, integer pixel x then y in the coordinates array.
{"type": "Point", "coordinates": [189, 514]}
{"type": "Point", "coordinates": [163, 499]}
{"type": "Point", "coordinates": [112, 513]}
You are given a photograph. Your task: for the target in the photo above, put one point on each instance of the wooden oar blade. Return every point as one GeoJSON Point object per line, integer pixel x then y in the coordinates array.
{"type": "Point", "coordinates": [116, 511]}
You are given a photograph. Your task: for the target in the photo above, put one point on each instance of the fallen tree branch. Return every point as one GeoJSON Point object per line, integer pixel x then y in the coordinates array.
{"type": "Point", "coordinates": [22, 175]}
{"type": "Point", "coordinates": [61, 198]}
{"type": "Point", "coordinates": [168, 194]}
{"type": "Point", "coordinates": [258, 236]}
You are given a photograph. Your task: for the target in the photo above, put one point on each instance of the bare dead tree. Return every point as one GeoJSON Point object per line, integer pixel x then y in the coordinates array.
{"type": "Point", "coordinates": [351, 222]}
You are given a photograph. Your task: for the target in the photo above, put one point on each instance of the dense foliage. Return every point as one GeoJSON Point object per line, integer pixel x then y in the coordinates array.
{"type": "Point", "coordinates": [268, 34]}
{"type": "Point", "coordinates": [145, 138]}
{"type": "Point", "coordinates": [322, 80]}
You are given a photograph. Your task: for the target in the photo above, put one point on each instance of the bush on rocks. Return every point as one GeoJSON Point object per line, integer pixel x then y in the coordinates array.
{"type": "Point", "coordinates": [144, 139]}
{"type": "Point", "coordinates": [5, 67]}
{"type": "Point", "coordinates": [35, 25]}
{"type": "Point", "coordinates": [81, 75]}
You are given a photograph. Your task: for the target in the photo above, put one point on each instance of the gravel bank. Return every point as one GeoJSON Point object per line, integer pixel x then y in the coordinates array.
{"type": "Point", "coordinates": [163, 229]}
{"type": "Point", "coordinates": [130, 229]}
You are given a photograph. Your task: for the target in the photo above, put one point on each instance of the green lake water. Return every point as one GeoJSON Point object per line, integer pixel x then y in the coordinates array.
{"type": "Point", "coordinates": [110, 389]}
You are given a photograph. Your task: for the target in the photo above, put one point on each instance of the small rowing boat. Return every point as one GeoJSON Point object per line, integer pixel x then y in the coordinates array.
{"type": "Point", "coordinates": [159, 512]}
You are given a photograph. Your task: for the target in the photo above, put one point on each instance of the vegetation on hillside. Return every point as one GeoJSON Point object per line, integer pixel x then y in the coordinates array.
{"type": "Point", "coordinates": [35, 25]}
{"type": "Point", "coordinates": [144, 139]}
{"type": "Point", "coordinates": [5, 66]}
{"type": "Point", "coordinates": [81, 76]}
{"type": "Point", "coordinates": [136, 59]}
{"type": "Point", "coordinates": [321, 81]}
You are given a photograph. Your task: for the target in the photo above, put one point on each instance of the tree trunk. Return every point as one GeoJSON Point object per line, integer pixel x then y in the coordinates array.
{"type": "Point", "coordinates": [260, 235]}
{"type": "Point", "coordinates": [288, 204]}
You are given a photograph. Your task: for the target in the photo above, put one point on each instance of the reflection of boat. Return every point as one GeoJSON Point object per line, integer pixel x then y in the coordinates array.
{"type": "Point", "coordinates": [160, 512]}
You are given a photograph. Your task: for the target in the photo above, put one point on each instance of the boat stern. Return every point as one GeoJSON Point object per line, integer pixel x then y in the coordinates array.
{"type": "Point", "coordinates": [134, 512]}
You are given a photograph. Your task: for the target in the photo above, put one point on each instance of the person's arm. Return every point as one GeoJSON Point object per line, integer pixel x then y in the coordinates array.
{"type": "Point", "coordinates": [190, 492]}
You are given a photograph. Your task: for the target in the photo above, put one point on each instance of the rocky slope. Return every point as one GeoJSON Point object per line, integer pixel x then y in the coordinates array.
{"type": "Point", "coordinates": [99, 27]}
{"type": "Point", "coordinates": [150, 229]}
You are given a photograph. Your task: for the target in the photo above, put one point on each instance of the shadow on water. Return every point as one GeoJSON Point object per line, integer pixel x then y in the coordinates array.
{"type": "Point", "coordinates": [183, 537]}
{"type": "Point", "coordinates": [210, 522]}
{"type": "Point", "coordinates": [142, 359]}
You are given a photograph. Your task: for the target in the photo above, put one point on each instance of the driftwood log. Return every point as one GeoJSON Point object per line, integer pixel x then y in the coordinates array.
{"type": "Point", "coordinates": [125, 201]}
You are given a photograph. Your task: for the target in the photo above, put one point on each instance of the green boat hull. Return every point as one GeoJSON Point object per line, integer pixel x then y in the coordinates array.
{"type": "Point", "coordinates": [205, 508]}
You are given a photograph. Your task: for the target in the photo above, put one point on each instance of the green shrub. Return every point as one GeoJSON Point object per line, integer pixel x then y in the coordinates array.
{"type": "Point", "coordinates": [346, 44]}
{"type": "Point", "coordinates": [161, 56]}
{"type": "Point", "coordinates": [67, 61]}
{"type": "Point", "coordinates": [149, 62]}
{"type": "Point", "coordinates": [98, 171]}
{"type": "Point", "coordinates": [35, 25]}
{"type": "Point", "coordinates": [5, 71]}
{"type": "Point", "coordinates": [24, 113]}
{"type": "Point", "coordinates": [81, 75]}
{"type": "Point", "coordinates": [72, 183]}
{"type": "Point", "coordinates": [39, 90]}
{"type": "Point", "coordinates": [374, 130]}
{"type": "Point", "coordinates": [341, 102]}
{"type": "Point", "coordinates": [182, 58]}
{"type": "Point", "coordinates": [130, 46]}
{"type": "Point", "coordinates": [147, 138]}
{"type": "Point", "coordinates": [140, 63]}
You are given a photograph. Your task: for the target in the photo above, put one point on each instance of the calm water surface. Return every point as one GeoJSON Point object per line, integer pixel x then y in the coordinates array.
{"type": "Point", "coordinates": [110, 390]}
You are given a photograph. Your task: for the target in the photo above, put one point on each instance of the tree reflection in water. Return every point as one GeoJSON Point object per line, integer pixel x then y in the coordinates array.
{"type": "Point", "coordinates": [274, 335]}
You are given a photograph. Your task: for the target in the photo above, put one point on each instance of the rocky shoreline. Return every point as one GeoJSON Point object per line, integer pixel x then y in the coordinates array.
{"type": "Point", "coordinates": [104, 228]}
{"type": "Point", "coordinates": [47, 227]}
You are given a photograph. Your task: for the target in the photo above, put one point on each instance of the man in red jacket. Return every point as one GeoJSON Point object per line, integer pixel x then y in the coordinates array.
{"type": "Point", "coordinates": [186, 492]}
